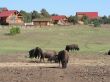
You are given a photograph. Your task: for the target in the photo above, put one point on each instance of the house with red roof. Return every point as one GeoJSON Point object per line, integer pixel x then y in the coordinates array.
{"type": "Point", "coordinates": [90, 15]}
{"type": "Point", "coordinates": [3, 9]}
{"type": "Point", "coordinates": [9, 17]}
{"type": "Point", "coordinates": [60, 19]}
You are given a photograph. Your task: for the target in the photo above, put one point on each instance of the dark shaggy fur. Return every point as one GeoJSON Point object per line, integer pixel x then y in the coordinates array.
{"type": "Point", "coordinates": [109, 52]}
{"type": "Point", "coordinates": [72, 47]}
{"type": "Point", "coordinates": [63, 57]}
{"type": "Point", "coordinates": [36, 53]}
{"type": "Point", "coordinates": [51, 55]}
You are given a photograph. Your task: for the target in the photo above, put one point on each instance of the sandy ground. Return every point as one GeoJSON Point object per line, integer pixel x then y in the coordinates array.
{"type": "Point", "coordinates": [86, 68]}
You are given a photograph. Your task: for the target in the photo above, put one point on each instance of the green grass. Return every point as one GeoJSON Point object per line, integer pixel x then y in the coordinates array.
{"type": "Point", "coordinates": [89, 39]}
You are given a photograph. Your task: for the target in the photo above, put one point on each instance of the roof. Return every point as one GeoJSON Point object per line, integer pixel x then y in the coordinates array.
{"type": "Point", "coordinates": [58, 17]}
{"type": "Point", "coordinates": [7, 13]}
{"type": "Point", "coordinates": [3, 9]}
{"type": "Point", "coordinates": [42, 19]}
{"type": "Point", "coordinates": [91, 15]}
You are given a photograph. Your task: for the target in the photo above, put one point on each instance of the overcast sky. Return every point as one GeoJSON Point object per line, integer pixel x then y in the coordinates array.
{"type": "Point", "coordinates": [63, 7]}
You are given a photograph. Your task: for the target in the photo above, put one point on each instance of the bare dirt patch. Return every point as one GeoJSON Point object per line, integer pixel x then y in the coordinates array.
{"type": "Point", "coordinates": [86, 68]}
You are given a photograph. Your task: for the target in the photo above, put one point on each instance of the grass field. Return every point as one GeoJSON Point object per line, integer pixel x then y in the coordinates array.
{"type": "Point", "coordinates": [90, 39]}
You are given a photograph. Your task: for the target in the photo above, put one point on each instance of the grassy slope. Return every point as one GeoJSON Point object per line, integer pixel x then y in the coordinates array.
{"type": "Point", "coordinates": [89, 39]}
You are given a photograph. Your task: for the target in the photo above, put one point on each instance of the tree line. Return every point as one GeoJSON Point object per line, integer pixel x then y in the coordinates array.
{"type": "Point", "coordinates": [29, 16]}
{"type": "Point", "coordinates": [86, 20]}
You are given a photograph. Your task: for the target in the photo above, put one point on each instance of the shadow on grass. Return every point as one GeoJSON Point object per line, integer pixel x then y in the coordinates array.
{"type": "Point", "coordinates": [7, 34]}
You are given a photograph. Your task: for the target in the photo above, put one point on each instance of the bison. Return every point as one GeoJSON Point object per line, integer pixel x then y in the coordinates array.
{"type": "Point", "coordinates": [51, 55]}
{"type": "Point", "coordinates": [53, 58]}
{"type": "Point", "coordinates": [63, 57]}
{"type": "Point", "coordinates": [72, 47]}
{"type": "Point", "coordinates": [36, 53]}
{"type": "Point", "coordinates": [31, 53]}
{"type": "Point", "coordinates": [109, 52]}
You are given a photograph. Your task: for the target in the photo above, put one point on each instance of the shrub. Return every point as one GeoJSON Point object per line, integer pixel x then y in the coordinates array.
{"type": "Point", "coordinates": [17, 30]}
{"type": "Point", "coordinates": [96, 23]}
{"type": "Point", "coordinates": [73, 19]}
{"type": "Point", "coordinates": [14, 30]}
{"type": "Point", "coordinates": [86, 22]}
{"type": "Point", "coordinates": [85, 19]}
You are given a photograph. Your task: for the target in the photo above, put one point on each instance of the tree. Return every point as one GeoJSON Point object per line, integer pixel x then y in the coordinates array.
{"type": "Point", "coordinates": [26, 16]}
{"type": "Point", "coordinates": [35, 14]}
{"type": "Point", "coordinates": [29, 17]}
{"type": "Point", "coordinates": [73, 19]}
{"type": "Point", "coordinates": [85, 19]}
{"type": "Point", "coordinates": [23, 13]}
{"type": "Point", "coordinates": [44, 13]}
{"type": "Point", "coordinates": [96, 22]}
{"type": "Point", "coordinates": [104, 20]}
{"type": "Point", "coordinates": [108, 19]}
{"type": "Point", "coordinates": [54, 14]}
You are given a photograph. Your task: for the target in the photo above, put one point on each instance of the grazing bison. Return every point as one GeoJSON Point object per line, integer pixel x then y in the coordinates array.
{"type": "Point", "coordinates": [51, 55]}
{"type": "Point", "coordinates": [37, 52]}
{"type": "Point", "coordinates": [31, 53]}
{"type": "Point", "coordinates": [63, 57]}
{"type": "Point", "coordinates": [109, 52]}
{"type": "Point", "coordinates": [72, 47]}
{"type": "Point", "coordinates": [53, 58]}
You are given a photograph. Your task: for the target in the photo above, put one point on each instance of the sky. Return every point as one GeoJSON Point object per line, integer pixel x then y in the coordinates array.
{"type": "Point", "coordinates": [61, 7]}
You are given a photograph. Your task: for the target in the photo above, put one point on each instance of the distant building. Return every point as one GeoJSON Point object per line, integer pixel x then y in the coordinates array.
{"type": "Point", "coordinates": [3, 9]}
{"type": "Point", "coordinates": [62, 20]}
{"type": "Point", "coordinates": [90, 15]}
{"type": "Point", "coordinates": [42, 21]}
{"type": "Point", "coordinates": [10, 17]}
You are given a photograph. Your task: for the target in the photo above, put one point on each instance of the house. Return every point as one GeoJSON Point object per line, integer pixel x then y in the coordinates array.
{"type": "Point", "coordinates": [3, 9]}
{"type": "Point", "coordinates": [62, 20]}
{"type": "Point", "coordinates": [90, 15]}
{"type": "Point", "coordinates": [42, 21]}
{"type": "Point", "coordinates": [10, 17]}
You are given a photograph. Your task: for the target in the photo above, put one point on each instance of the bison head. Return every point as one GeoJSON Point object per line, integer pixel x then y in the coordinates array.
{"type": "Point", "coordinates": [31, 53]}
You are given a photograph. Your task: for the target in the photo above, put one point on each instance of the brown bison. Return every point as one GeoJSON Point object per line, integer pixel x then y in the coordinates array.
{"type": "Point", "coordinates": [36, 53]}
{"type": "Point", "coordinates": [51, 55]}
{"type": "Point", "coordinates": [53, 58]}
{"type": "Point", "coordinates": [63, 57]}
{"type": "Point", "coordinates": [31, 53]}
{"type": "Point", "coordinates": [72, 47]}
{"type": "Point", "coordinates": [109, 52]}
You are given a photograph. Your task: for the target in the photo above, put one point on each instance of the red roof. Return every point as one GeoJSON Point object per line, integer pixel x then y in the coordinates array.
{"type": "Point", "coordinates": [4, 9]}
{"type": "Point", "coordinates": [91, 15]}
{"type": "Point", "coordinates": [7, 13]}
{"type": "Point", "coordinates": [58, 17]}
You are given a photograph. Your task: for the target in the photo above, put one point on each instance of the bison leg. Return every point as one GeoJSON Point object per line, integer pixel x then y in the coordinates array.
{"type": "Point", "coordinates": [38, 56]}
{"type": "Point", "coordinates": [68, 50]}
{"type": "Point", "coordinates": [64, 65]}
{"type": "Point", "coordinates": [50, 59]}
{"type": "Point", "coordinates": [59, 63]}
{"type": "Point", "coordinates": [42, 59]}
